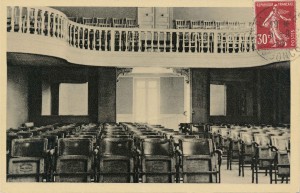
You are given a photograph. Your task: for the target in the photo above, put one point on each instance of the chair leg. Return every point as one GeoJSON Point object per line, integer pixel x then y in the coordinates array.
{"type": "Point", "coordinates": [252, 171]}
{"type": "Point", "coordinates": [271, 174]}
{"type": "Point", "coordinates": [256, 173]}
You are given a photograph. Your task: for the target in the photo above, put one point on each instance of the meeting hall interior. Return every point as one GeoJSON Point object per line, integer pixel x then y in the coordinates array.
{"type": "Point", "coordinates": [144, 95]}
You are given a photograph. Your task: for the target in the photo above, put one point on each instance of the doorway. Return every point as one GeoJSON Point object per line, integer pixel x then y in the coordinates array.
{"type": "Point", "coordinates": [146, 100]}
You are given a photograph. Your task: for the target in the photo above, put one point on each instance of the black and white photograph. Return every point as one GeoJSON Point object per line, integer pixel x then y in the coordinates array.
{"type": "Point", "coordinates": [150, 94]}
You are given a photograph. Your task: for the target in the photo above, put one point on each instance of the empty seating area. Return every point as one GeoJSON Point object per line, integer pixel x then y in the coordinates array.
{"type": "Point", "coordinates": [203, 24]}
{"type": "Point", "coordinates": [143, 153]}
{"type": "Point", "coordinates": [106, 22]}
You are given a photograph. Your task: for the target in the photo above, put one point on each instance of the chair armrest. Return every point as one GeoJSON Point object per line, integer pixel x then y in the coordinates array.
{"type": "Point", "coordinates": [273, 148]}
{"type": "Point", "coordinates": [219, 152]}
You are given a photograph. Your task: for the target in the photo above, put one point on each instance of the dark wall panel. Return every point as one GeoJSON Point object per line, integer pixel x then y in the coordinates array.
{"type": "Point", "coordinates": [104, 12]}
{"type": "Point", "coordinates": [107, 94]}
{"type": "Point", "coordinates": [200, 95]}
{"type": "Point", "coordinates": [17, 96]}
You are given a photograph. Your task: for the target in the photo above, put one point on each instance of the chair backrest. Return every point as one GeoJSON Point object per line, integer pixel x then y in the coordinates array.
{"type": "Point", "coordinates": [194, 146]}
{"type": "Point", "coordinates": [280, 142]}
{"type": "Point", "coordinates": [246, 137]}
{"type": "Point", "coordinates": [131, 23]}
{"type": "Point", "coordinates": [116, 146]}
{"type": "Point", "coordinates": [31, 147]}
{"type": "Point", "coordinates": [75, 146]}
{"type": "Point", "coordinates": [156, 147]}
{"type": "Point", "coordinates": [262, 139]}
{"type": "Point", "coordinates": [102, 22]}
{"type": "Point", "coordinates": [87, 21]}
{"type": "Point", "coordinates": [214, 129]}
{"type": "Point", "coordinates": [196, 24]}
{"type": "Point", "coordinates": [180, 24]}
{"type": "Point", "coordinates": [118, 22]}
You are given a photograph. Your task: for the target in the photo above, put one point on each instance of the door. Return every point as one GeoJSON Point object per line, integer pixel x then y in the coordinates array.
{"type": "Point", "coordinates": [154, 17]}
{"type": "Point", "coordinates": [162, 18]}
{"type": "Point", "coordinates": [146, 17]}
{"type": "Point", "coordinates": [146, 100]}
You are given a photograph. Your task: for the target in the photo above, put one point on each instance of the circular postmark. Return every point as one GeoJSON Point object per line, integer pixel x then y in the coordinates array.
{"type": "Point", "coordinates": [266, 31]}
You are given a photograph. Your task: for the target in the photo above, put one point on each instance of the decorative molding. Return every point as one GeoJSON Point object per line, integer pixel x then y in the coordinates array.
{"type": "Point", "coordinates": [185, 72]}
{"type": "Point", "coordinates": [122, 72]}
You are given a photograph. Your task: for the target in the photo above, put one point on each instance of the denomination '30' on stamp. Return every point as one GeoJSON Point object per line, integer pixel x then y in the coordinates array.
{"type": "Point", "coordinates": [275, 24]}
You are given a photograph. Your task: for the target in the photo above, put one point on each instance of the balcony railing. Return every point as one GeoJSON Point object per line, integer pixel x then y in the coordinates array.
{"type": "Point", "coordinates": [48, 22]}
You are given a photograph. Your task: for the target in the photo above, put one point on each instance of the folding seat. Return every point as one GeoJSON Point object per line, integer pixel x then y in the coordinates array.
{"type": "Point", "coordinates": [175, 140]}
{"type": "Point", "coordinates": [224, 143]}
{"type": "Point", "coordinates": [27, 161]}
{"type": "Point", "coordinates": [234, 147]}
{"type": "Point", "coordinates": [246, 151]}
{"type": "Point", "coordinates": [74, 162]}
{"type": "Point", "coordinates": [157, 163]}
{"type": "Point", "coordinates": [200, 162]}
{"type": "Point", "coordinates": [264, 156]}
{"type": "Point", "coordinates": [116, 160]}
{"type": "Point", "coordinates": [281, 144]}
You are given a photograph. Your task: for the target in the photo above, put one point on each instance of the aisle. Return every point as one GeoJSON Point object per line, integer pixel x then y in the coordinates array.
{"type": "Point", "coordinates": [232, 176]}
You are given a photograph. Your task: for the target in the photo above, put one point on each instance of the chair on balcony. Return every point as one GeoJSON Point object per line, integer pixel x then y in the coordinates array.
{"type": "Point", "coordinates": [74, 19]}
{"type": "Point", "coordinates": [74, 162]}
{"type": "Point", "coordinates": [102, 22]}
{"type": "Point", "coordinates": [116, 160]}
{"type": "Point", "coordinates": [120, 36]}
{"type": "Point", "coordinates": [157, 162]}
{"type": "Point", "coordinates": [131, 23]}
{"type": "Point", "coordinates": [196, 24]}
{"type": "Point", "coordinates": [281, 144]}
{"type": "Point", "coordinates": [200, 162]}
{"type": "Point", "coordinates": [27, 161]}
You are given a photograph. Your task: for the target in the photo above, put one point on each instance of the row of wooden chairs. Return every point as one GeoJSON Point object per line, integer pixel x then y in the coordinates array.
{"type": "Point", "coordinates": [112, 152]}
{"type": "Point", "coordinates": [202, 24]}
{"type": "Point", "coordinates": [265, 149]}
{"type": "Point", "coordinates": [106, 22]}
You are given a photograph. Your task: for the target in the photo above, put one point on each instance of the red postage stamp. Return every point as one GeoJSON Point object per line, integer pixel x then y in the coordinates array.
{"type": "Point", "coordinates": [275, 24]}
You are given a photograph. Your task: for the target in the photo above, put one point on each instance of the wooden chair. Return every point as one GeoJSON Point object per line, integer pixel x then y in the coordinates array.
{"type": "Point", "coordinates": [74, 162]}
{"type": "Point", "coordinates": [157, 163]}
{"type": "Point", "coordinates": [200, 162]}
{"type": "Point", "coordinates": [116, 160]}
{"type": "Point", "coordinates": [27, 162]}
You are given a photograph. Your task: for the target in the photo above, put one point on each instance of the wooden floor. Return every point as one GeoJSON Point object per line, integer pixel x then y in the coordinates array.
{"type": "Point", "coordinates": [232, 176]}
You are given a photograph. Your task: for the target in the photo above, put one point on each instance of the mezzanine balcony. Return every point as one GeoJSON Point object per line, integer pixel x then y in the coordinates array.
{"type": "Point", "coordinates": [46, 31]}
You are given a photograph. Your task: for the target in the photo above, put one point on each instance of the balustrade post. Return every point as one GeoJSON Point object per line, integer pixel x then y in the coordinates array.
{"type": "Point", "coordinates": [78, 37]}
{"type": "Point", "coordinates": [171, 41]}
{"type": "Point", "coordinates": [94, 40]}
{"type": "Point", "coordinates": [21, 27]}
{"type": "Point", "coordinates": [12, 21]}
{"type": "Point", "coordinates": [28, 20]}
{"type": "Point", "coordinates": [165, 41]}
{"type": "Point", "coordinates": [139, 41]}
{"type": "Point", "coordinates": [48, 23]}
{"type": "Point", "coordinates": [177, 41]}
{"type": "Point", "coordinates": [83, 37]}
{"type": "Point", "coordinates": [36, 11]}
{"type": "Point", "coordinates": [215, 42]}
{"type": "Point", "coordinates": [43, 21]}
{"type": "Point", "coordinates": [54, 25]}
{"type": "Point", "coordinates": [112, 40]}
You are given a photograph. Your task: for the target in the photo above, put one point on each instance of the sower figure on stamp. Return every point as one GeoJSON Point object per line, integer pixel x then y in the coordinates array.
{"type": "Point", "coordinates": [272, 22]}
